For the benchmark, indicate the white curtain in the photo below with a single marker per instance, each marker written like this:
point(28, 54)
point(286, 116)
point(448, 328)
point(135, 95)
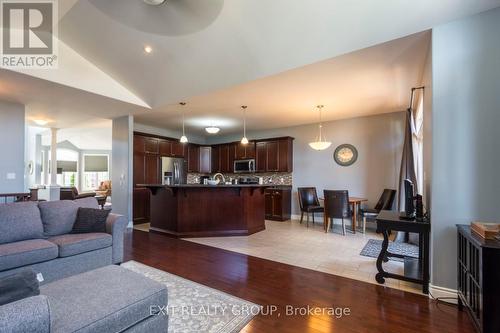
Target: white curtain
point(417, 130)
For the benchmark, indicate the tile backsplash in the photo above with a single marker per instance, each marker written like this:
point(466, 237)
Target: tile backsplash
point(281, 178)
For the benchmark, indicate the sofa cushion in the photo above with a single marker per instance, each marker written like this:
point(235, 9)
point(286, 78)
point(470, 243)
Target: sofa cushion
point(58, 217)
point(73, 244)
point(26, 252)
point(90, 220)
point(20, 221)
point(95, 301)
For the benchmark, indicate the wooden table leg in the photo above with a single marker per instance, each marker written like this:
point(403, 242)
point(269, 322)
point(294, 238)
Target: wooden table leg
point(354, 213)
point(385, 244)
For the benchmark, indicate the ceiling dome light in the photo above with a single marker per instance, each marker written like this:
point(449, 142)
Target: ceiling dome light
point(212, 129)
point(154, 2)
point(41, 122)
point(320, 143)
point(148, 49)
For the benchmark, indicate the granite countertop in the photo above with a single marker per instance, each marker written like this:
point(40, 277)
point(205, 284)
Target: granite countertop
point(202, 185)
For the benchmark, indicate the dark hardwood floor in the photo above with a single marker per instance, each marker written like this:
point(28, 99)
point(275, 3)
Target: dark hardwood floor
point(372, 308)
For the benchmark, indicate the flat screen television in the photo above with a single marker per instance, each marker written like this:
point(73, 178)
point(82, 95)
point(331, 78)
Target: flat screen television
point(409, 212)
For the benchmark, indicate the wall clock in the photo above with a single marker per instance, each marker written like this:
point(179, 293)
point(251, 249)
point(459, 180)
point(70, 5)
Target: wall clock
point(345, 154)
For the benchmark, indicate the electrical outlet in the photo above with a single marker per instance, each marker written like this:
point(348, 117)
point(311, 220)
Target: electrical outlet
point(11, 176)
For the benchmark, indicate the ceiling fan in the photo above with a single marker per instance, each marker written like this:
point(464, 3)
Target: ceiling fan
point(162, 17)
point(154, 2)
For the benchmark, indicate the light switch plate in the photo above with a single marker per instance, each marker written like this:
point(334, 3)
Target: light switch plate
point(11, 175)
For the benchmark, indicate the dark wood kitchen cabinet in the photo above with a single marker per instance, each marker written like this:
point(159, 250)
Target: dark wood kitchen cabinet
point(261, 156)
point(226, 158)
point(148, 150)
point(193, 158)
point(140, 206)
point(278, 204)
point(215, 158)
point(243, 152)
point(223, 156)
point(170, 148)
point(274, 155)
point(151, 145)
point(272, 158)
point(151, 168)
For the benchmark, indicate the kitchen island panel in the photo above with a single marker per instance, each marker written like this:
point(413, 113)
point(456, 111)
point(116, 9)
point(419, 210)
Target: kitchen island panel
point(205, 211)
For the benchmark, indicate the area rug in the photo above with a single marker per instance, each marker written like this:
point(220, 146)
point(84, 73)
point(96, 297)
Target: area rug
point(374, 246)
point(193, 307)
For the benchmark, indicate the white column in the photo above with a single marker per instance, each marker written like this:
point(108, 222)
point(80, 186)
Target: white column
point(122, 164)
point(53, 157)
point(51, 192)
point(45, 162)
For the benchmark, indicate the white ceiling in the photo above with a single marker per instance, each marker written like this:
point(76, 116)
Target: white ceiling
point(61, 105)
point(93, 135)
point(374, 80)
point(233, 44)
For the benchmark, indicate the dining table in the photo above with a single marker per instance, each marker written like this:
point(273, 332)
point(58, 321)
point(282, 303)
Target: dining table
point(355, 203)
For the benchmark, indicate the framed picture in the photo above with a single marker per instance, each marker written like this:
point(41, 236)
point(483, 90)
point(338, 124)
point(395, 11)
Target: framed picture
point(345, 154)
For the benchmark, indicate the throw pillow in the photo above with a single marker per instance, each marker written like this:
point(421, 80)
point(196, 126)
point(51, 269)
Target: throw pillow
point(90, 220)
point(19, 285)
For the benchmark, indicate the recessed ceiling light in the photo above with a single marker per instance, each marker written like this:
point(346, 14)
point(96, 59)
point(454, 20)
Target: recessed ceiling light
point(212, 129)
point(41, 122)
point(148, 49)
point(154, 2)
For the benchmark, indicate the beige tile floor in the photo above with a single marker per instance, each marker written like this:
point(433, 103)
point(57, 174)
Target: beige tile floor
point(292, 243)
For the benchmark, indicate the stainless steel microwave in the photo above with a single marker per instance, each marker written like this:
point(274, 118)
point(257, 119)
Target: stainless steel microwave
point(244, 166)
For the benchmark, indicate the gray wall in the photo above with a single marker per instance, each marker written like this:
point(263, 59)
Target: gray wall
point(122, 160)
point(466, 116)
point(427, 83)
point(378, 140)
point(12, 136)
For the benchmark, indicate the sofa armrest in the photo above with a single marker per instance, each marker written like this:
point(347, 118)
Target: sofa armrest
point(30, 314)
point(116, 226)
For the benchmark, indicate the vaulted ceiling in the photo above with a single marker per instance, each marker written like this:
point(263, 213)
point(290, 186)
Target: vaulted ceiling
point(279, 56)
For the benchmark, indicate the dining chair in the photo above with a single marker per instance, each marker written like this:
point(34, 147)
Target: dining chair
point(385, 202)
point(336, 207)
point(308, 202)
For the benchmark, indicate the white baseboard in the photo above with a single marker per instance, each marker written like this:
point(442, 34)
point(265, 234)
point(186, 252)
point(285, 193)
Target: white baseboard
point(445, 294)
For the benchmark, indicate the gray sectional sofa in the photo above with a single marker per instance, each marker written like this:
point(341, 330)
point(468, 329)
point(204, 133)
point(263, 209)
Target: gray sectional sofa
point(37, 235)
point(109, 299)
point(82, 290)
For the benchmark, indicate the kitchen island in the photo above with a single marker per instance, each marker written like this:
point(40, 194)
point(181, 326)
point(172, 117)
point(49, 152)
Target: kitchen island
point(206, 211)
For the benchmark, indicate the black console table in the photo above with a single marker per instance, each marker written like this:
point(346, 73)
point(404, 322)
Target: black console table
point(415, 270)
point(479, 279)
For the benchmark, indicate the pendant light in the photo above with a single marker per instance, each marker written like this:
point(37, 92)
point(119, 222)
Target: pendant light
point(320, 143)
point(183, 138)
point(244, 140)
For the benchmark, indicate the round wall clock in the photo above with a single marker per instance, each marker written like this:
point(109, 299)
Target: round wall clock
point(345, 154)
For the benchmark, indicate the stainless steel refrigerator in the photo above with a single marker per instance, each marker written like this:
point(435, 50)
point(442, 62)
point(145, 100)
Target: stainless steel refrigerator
point(173, 171)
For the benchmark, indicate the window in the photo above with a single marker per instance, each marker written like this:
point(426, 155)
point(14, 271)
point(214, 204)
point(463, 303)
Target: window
point(96, 170)
point(67, 167)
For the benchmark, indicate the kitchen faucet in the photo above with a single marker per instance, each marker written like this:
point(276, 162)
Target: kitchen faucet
point(221, 176)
